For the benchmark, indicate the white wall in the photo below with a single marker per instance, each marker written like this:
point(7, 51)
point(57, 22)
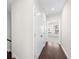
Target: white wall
point(66, 28)
point(9, 2)
point(8, 30)
point(8, 25)
point(22, 29)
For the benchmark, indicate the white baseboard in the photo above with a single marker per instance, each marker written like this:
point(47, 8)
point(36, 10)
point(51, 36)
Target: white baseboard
point(65, 52)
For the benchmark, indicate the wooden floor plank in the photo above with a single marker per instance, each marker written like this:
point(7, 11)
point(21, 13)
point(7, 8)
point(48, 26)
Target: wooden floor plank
point(52, 51)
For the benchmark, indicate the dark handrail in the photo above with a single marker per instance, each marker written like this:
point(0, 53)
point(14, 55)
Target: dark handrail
point(9, 40)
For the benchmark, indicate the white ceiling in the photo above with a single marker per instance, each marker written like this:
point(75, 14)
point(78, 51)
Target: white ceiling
point(47, 6)
point(51, 6)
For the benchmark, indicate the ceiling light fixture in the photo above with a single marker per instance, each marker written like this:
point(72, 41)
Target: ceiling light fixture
point(53, 9)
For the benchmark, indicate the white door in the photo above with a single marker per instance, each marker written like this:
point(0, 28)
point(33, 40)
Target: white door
point(39, 33)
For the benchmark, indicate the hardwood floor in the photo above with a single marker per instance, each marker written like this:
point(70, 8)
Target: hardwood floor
point(52, 51)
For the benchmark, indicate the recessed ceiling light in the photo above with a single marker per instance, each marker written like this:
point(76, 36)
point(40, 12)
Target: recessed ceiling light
point(53, 9)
